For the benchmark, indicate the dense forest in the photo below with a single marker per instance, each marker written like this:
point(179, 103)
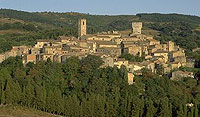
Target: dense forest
point(182, 29)
point(80, 88)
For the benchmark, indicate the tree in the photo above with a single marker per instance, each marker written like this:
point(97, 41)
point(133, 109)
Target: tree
point(196, 110)
point(8, 93)
point(3, 97)
point(164, 110)
point(28, 93)
point(150, 110)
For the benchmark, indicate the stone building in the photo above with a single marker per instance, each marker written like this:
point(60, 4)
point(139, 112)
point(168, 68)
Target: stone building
point(45, 57)
point(190, 62)
point(133, 50)
point(29, 58)
point(82, 27)
point(130, 78)
point(109, 51)
point(161, 53)
point(136, 28)
point(121, 61)
point(178, 75)
point(109, 46)
point(2, 58)
point(149, 65)
point(170, 46)
point(52, 50)
point(108, 61)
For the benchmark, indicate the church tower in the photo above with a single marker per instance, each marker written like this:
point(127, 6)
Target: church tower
point(82, 27)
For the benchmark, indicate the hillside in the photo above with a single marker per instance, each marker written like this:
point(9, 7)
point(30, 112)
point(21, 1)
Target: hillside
point(17, 111)
point(19, 27)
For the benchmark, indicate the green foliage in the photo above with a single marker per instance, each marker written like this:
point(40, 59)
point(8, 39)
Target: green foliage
point(20, 26)
point(87, 90)
point(180, 32)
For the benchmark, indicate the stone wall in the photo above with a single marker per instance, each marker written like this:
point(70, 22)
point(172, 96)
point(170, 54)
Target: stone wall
point(82, 27)
point(137, 28)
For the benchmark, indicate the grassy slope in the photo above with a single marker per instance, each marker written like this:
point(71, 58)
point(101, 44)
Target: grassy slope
point(17, 111)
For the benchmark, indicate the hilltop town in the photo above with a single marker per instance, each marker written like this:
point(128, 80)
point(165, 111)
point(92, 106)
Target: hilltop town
point(84, 65)
point(109, 46)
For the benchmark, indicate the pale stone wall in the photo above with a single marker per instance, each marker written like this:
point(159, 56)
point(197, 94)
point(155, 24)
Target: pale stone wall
point(83, 44)
point(130, 78)
point(109, 51)
point(108, 61)
point(164, 47)
point(57, 58)
point(180, 59)
point(154, 42)
point(107, 46)
point(178, 54)
point(134, 50)
point(127, 39)
point(164, 54)
point(82, 27)
point(2, 57)
point(177, 75)
point(44, 57)
point(119, 63)
point(137, 28)
point(175, 65)
point(99, 38)
point(152, 50)
point(52, 50)
point(29, 58)
point(170, 45)
point(166, 69)
point(151, 66)
point(39, 44)
point(35, 51)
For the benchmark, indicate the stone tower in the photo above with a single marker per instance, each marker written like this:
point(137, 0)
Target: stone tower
point(137, 28)
point(170, 45)
point(82, 27)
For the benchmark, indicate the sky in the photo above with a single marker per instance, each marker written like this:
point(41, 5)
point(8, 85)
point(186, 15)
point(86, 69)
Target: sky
point(106, 7)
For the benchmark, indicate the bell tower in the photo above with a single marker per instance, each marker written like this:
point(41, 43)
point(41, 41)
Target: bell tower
point(82, 27)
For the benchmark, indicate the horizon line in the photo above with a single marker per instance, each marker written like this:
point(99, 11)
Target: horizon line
point(170, 13)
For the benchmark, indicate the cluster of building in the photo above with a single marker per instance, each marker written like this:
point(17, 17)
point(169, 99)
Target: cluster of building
point(109, 46)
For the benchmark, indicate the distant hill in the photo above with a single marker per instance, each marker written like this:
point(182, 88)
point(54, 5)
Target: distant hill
point(156, 17)
point(48, 25)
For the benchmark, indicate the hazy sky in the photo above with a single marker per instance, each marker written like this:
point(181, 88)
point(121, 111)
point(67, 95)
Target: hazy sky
point(191, 7)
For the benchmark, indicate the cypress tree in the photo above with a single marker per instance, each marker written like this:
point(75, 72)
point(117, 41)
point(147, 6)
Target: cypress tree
point(180, 111)
point(164, 108)
point(192, 112)
point(2, 97)
point(196, 110)
point(8, 94)
point(150, 109)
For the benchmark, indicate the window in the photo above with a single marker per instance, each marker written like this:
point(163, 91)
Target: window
point(83, 23)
